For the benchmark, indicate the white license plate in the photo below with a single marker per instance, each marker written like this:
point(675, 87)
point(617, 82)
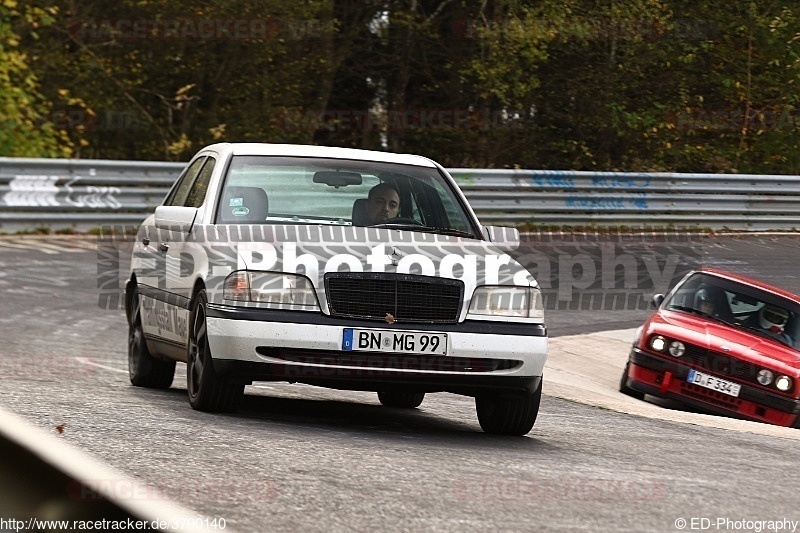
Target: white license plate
point(375, 340)
point(714, 383)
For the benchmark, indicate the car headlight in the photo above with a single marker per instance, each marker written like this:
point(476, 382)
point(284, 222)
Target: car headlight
point(783, 383)
point(511, 301)
point(677, 348)
point(278, 290)
point(765, 376)
point(658, 343)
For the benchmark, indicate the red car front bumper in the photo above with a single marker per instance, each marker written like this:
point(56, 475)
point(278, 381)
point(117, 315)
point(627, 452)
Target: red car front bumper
point(666, 378)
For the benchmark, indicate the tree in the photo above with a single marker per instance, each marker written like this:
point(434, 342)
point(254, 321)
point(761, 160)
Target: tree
point(30, 125)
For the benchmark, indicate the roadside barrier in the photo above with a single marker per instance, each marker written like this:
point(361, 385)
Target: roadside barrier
point(82, 194)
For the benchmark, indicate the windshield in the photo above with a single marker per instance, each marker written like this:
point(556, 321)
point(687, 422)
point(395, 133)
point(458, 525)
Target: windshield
point(302, 190)
point(738, 305)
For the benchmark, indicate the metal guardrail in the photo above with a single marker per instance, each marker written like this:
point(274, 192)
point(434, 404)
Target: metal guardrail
point(81, 194)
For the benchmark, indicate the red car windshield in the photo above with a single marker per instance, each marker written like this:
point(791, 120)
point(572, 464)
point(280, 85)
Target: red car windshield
point(738, 305)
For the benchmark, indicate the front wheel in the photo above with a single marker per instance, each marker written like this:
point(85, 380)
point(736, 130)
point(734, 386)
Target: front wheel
point(623, 385)
point(403, 399)
point(508, 416)
point(144, 370)
point(207, 390)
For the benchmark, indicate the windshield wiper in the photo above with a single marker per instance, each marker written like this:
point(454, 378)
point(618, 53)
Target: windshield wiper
point(455, 232)
point(698, 312)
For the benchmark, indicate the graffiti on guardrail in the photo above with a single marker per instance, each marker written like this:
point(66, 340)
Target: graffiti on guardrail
point(32, 191)
point(633, 202)
point(622, 182)
point(554, 181)
point(91, 196)
point(35, 191)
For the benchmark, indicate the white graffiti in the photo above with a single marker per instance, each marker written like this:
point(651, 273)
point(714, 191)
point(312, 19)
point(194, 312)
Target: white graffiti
point(32, 191)
point(92, 196)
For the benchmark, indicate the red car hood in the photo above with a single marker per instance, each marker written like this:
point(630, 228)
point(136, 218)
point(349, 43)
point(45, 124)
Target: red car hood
point(713, 335)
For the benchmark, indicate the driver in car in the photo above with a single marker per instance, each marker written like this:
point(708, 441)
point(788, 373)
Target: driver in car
point(383, 203)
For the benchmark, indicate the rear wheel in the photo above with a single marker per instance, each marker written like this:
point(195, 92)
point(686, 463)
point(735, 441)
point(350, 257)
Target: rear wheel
point(144, 370)
point(623, 385)
point(207, 390)
point(405, 399)
point(508, 416)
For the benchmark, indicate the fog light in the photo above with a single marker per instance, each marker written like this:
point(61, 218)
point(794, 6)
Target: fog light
point(658, 343)
point(784, 383)
point(765, 377)
point(677, 348)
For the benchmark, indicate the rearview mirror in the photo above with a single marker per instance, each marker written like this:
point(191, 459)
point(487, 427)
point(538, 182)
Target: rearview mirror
point(334, 178)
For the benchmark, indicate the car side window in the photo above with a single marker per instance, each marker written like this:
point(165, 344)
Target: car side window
point(197, 194)
point(178, 194)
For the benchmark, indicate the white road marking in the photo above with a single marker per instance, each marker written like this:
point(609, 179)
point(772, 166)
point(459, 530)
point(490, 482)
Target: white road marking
point(87, 361)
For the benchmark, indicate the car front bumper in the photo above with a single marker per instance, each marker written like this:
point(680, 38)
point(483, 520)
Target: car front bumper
point(266, 345)
point(666, 378)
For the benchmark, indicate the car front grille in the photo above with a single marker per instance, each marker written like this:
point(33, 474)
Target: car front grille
point(392, 362)
point(406, 297)
point(721, 363)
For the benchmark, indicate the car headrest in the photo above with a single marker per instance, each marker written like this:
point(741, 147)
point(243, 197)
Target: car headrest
point(360, 215)
point(244, 205)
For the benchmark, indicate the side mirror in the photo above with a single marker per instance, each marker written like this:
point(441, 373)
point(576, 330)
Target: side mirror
point(658, 299)
point(506, 239)
point(175, 217)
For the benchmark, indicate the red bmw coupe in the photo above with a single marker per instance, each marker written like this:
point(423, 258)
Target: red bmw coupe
point(723, 343)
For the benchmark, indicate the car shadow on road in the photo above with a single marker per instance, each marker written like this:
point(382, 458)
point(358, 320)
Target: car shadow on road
point(441, 417)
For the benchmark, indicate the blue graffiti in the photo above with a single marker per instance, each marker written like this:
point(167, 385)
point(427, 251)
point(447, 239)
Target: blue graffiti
point(556, 182)
point(607, 203)
point(622, 183)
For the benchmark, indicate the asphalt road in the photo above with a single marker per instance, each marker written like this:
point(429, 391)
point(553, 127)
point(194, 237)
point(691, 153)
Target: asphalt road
point(298, 458)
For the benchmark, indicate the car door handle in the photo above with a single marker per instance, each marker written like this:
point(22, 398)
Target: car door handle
point(163, 247)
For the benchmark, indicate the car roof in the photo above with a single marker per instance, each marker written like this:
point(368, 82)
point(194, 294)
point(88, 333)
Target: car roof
point(304, 150)
point(750, 281)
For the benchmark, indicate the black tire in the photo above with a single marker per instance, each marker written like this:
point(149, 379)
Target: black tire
point(404, 399)
point(508, 416)
point(623, 386)
point(144, 370)
point(207, 390)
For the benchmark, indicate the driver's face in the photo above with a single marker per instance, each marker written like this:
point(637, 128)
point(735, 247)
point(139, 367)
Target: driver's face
point(383, 205)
